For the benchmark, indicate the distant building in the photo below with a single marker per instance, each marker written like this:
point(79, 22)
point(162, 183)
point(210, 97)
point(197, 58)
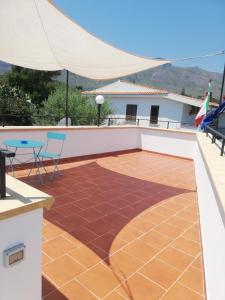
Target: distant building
point(148, 105)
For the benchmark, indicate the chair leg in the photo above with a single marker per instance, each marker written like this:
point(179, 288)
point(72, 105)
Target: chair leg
point(11, 166)
point(42, 165)
point(55, 168)
point(38, 172)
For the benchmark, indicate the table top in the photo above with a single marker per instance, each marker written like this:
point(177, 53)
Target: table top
point(23, 143)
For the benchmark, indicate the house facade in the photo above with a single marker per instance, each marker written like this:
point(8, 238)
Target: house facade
point(148, 106)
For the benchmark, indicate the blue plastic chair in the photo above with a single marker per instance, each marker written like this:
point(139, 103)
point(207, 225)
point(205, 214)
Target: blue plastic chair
point(54, 156)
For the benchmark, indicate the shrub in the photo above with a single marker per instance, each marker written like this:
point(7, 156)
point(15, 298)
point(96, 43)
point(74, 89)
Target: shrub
point(15, 106)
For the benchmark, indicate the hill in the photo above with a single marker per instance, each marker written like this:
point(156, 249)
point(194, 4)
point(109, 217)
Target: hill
point(194, 80)
point(4, 67)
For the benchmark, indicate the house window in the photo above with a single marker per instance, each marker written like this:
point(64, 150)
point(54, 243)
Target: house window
point(154, 115)
point(131, 113)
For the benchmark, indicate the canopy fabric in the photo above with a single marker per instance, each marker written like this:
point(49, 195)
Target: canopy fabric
point(35, 34)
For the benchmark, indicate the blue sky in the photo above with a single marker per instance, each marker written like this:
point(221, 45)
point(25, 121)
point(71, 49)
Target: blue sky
point(162, 28)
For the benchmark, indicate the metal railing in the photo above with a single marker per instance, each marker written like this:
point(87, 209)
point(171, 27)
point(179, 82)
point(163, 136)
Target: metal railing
point(54, 120)
point(147, 123)
point(217, 134)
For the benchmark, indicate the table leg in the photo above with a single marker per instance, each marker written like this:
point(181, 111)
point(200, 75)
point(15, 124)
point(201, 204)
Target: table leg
point(36, 163)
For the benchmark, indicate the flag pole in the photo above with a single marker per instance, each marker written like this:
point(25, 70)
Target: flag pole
point(67, 92)
point(221, 95)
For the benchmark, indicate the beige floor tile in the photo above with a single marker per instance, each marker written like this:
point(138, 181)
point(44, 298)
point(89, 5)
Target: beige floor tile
point(141, 250)
point(85, 256)
point(161, 273)
point(114, 296)
point(51, 231)
point(125, 264)
point(175, 258)
point(100, 280)
point(193, 278)
point(62, 270)
point(187, 246)
point(179, 292)
point(45, 259)
point(169, 230)
point(74, 291)
point(57, 247)
point(156, 239)
point(138, 287)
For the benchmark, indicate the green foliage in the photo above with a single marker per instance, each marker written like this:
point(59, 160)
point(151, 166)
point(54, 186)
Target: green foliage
point(193, 110)
point(3, 79)
point(15, 106)
point(81, 109)
point(37, 84)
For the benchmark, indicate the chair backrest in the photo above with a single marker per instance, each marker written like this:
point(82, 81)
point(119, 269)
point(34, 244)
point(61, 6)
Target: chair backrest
point(56, 136)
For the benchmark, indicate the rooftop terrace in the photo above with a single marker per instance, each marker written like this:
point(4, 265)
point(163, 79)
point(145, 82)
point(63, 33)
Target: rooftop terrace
point(139, 213)
point(123, 226)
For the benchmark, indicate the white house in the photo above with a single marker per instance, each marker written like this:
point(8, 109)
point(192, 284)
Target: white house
point(148, 106)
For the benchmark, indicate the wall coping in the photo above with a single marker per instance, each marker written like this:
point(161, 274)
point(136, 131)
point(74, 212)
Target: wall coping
point(22, 198)
point(215, 166)
point(64, 128)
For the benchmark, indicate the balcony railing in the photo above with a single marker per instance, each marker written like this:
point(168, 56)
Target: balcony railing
point(216, 135)
point(54, 120)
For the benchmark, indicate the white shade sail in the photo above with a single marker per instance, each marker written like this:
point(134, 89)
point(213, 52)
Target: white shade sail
point(35, 34)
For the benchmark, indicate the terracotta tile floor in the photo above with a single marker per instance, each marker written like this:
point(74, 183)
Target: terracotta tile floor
point(123, 226)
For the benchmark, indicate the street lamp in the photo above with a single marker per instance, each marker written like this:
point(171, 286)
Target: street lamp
point(99, 101)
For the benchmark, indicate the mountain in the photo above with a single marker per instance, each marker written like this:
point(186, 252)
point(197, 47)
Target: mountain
point(193, 80)
point(4, 67)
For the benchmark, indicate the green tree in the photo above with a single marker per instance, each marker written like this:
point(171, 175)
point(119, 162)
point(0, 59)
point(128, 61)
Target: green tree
point(82, 109)
point(37, 84)
point(3, 78)
point(15, 106)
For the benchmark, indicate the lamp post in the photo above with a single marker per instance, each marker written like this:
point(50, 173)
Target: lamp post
point(67, 92)
point(99, 101)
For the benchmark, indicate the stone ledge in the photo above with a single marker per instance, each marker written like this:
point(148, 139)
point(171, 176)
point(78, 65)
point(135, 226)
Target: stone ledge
point(215, 165)
point(22, 198)
point(71, 128)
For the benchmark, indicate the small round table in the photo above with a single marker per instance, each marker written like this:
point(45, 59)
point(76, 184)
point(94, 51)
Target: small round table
point(36, 147)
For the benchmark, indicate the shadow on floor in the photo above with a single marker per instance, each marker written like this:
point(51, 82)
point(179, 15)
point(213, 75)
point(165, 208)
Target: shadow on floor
point(93, 203)
point(50, 290)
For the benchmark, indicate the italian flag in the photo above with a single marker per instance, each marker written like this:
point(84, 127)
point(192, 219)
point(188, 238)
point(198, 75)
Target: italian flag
point(204, 108)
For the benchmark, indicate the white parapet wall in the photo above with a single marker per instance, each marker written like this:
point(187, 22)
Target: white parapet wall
point(172, 142)
point(210, 179)
point(79, 141)
point(213, 233)
point(22, 281)
point(82, 141)
point(21, 219)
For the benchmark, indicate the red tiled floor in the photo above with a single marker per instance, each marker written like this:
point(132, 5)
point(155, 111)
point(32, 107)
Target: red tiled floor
point(123, 227)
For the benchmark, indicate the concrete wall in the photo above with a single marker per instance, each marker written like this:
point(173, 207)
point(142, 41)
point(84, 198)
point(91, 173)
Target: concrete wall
point(212, 230)
point(22, 281)
point(90, 140)
point(168, 142)
point(79, 141)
